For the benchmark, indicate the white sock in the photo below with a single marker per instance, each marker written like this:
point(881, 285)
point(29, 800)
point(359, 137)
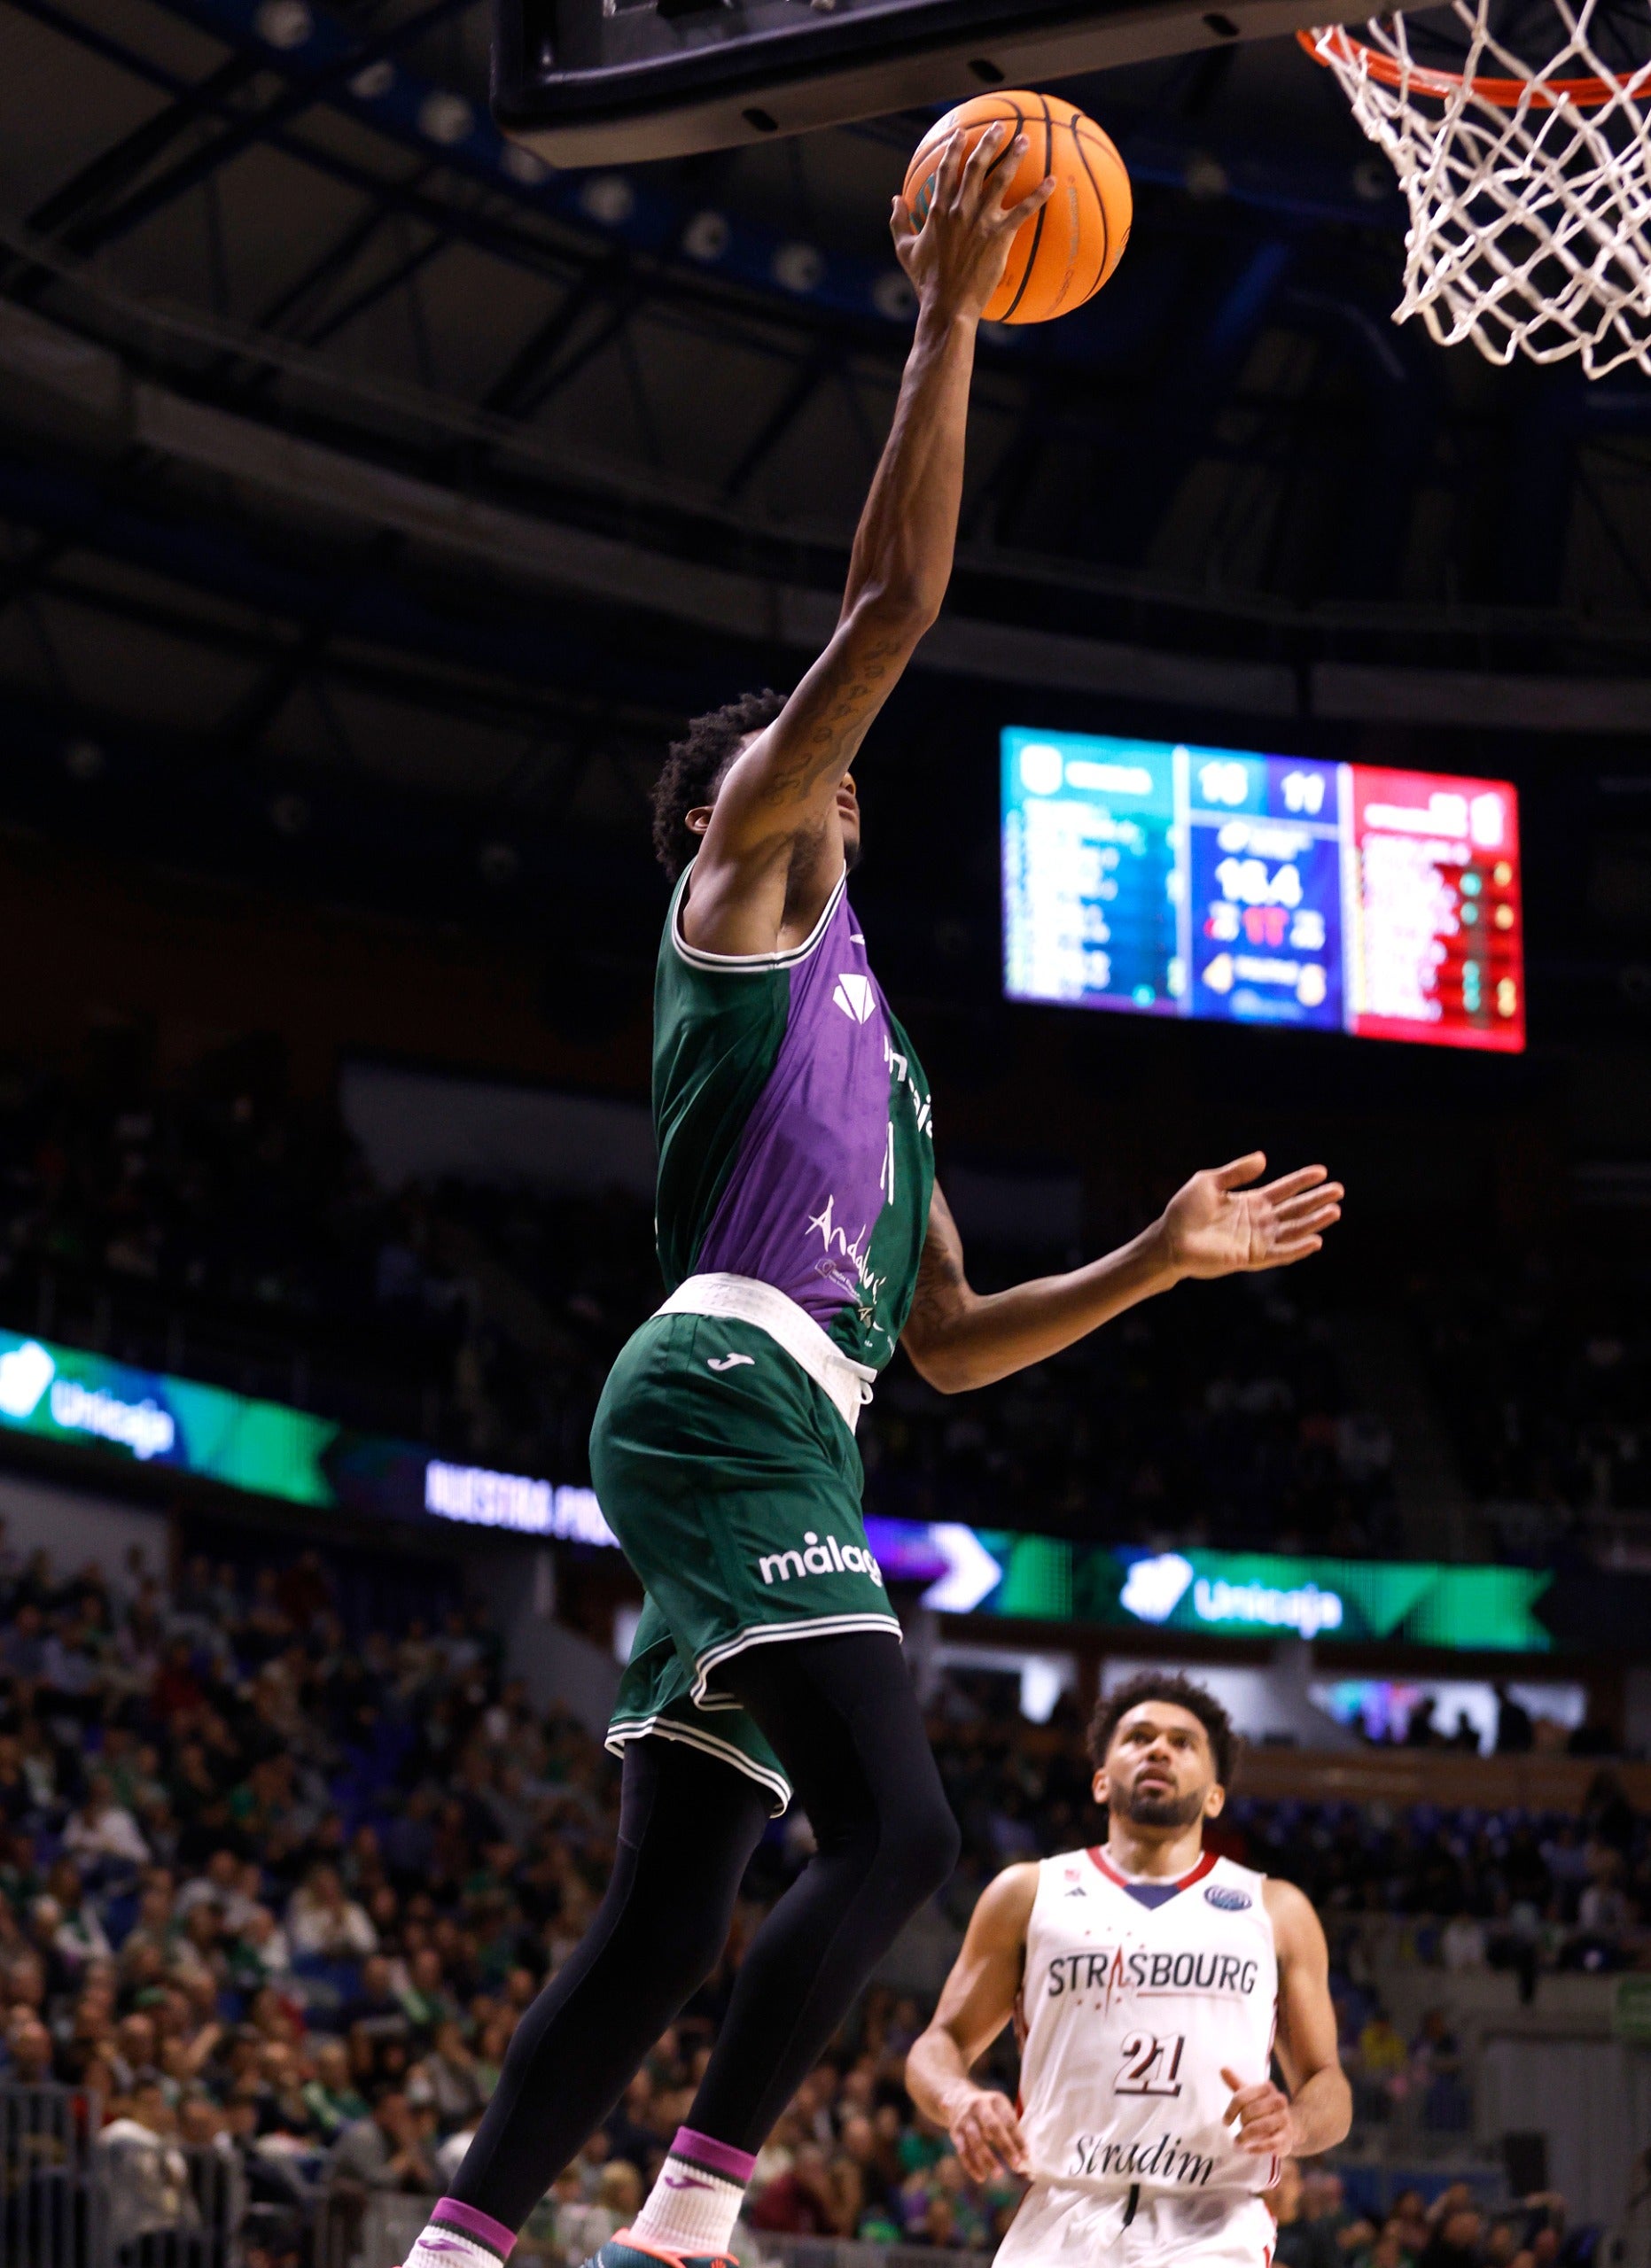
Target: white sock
point(457, 2236)
point(694, 2204)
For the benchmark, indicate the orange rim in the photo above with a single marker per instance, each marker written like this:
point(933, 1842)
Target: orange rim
point(1338, 45)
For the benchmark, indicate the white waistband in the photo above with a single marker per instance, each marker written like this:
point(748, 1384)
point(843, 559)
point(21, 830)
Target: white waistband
point(847, 1383)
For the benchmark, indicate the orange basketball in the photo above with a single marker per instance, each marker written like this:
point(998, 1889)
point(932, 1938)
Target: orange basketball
point(1065, 253)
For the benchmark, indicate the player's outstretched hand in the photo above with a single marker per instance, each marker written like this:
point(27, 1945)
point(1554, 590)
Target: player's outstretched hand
point(986, 2133)
point(956, 258)
point(1262, 2112)
point(1217, 1226)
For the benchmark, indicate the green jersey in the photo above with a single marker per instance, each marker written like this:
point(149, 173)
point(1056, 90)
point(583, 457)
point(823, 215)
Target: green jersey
point(794, 1127)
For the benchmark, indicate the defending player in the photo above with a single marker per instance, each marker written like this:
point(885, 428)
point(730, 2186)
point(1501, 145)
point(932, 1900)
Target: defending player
point(1153, 1983)
point(801, 1235)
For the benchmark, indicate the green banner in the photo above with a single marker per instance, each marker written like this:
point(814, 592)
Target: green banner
point(62, 1394)
point(1225, 1594)
point(66, 1395)
point(1252, 1595)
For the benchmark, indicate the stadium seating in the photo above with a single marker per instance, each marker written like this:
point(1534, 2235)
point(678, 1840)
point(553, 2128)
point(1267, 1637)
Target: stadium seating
point(275, 1893)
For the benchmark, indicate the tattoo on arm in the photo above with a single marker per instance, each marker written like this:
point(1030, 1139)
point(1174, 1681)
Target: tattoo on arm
point(942, 1285)
point(840, 708)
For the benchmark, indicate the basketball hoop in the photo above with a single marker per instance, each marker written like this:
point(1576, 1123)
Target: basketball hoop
point(1529, 184)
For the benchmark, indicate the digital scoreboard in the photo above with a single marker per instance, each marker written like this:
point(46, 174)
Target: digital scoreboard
point(1170, 881)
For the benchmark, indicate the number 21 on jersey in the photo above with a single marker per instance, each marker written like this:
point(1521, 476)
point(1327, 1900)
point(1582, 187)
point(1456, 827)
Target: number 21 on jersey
point(1151, 2064)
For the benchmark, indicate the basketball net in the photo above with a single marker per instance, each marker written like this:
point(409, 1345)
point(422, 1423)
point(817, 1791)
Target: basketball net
point(1529, 185)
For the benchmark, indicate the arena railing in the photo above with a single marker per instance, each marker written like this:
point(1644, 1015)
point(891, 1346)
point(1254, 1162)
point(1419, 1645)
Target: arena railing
point(75, 2193)
point(52, 2206)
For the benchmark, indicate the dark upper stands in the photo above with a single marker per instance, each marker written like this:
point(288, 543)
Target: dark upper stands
point(212, 1226)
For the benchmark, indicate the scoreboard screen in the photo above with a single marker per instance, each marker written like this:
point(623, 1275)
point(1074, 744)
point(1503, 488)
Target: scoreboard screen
point(1170, 881)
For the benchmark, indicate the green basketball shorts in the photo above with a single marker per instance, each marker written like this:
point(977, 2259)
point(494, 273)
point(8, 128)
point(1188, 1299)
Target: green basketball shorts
point(732, 1484)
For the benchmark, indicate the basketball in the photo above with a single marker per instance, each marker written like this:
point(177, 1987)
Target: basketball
point(1066, 251)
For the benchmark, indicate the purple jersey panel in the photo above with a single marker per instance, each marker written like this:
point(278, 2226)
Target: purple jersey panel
point(816, 1161)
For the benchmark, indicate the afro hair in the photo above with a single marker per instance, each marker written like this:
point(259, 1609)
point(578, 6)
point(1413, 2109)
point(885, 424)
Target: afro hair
point(695, 765)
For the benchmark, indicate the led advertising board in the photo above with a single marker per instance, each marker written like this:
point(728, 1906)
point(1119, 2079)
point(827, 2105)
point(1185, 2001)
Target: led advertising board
point(1224, 885)
point(66, 1395)
point(1220, 1594)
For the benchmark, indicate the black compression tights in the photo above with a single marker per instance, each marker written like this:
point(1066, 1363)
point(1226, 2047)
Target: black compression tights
point(842, 1716)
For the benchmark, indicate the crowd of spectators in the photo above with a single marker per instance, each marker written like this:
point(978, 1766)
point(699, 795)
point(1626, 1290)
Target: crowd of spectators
point(1578, 1889)
point(277, 1893)
point(211, 1224)
point(1319, 2226)
point(1543, 1370)
point(1217, 1417)
point(1457, 1890)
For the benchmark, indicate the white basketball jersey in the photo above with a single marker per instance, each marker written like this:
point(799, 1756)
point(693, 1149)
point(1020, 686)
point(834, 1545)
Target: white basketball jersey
point(1135, 1997)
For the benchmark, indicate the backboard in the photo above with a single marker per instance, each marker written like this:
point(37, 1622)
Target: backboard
point(586, 82)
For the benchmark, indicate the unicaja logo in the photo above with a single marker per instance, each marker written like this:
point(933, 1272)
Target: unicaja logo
point(816, 1558)
point(144, 1427)
point(1153, 1587)
point(1307, 1609)
point(25, 1374)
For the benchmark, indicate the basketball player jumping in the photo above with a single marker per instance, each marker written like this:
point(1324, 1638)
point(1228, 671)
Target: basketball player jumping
point(801, 1235)
point(1153, 1984)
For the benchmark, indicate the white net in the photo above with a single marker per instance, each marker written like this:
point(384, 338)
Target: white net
point(1528, 182)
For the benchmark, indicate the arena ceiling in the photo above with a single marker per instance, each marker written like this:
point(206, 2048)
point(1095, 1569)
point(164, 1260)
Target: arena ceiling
point(350, 459)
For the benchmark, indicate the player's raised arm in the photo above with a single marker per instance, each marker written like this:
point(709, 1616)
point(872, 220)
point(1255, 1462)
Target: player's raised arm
point(782, 787)
point(1215, 1225)
point(978, 2002)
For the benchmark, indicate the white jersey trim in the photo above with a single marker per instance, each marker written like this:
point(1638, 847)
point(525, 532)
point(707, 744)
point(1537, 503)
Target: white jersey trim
point(846, 1383)
point(777, 1634)
point(624, 1729)
point(748, 964)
